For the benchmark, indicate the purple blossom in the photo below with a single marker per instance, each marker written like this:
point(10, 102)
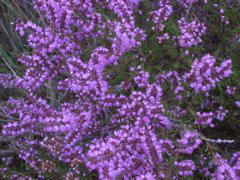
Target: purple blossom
point(128, 152)
point(189, 141)
point(204, 118)
point(203, 75)
point(237, 103)
point(224, 170)
point(190, 33)
point(185, 167)
point(160, 15)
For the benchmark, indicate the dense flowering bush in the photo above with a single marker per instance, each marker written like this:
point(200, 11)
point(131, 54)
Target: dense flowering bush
point(80, 112)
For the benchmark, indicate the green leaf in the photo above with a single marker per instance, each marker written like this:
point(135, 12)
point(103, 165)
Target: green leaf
point(4, 54)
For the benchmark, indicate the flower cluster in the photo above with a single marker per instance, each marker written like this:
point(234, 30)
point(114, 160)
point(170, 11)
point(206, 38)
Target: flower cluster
point(189, 141)
point(186, 167)
point(220, 113)
point(163, 38)
point(235, 163)
point(204, 118)
point(190, 33)
point(127, 37)
point(204, 76)
point(224, 170)
point(175, 82)
point(141, 79)
point(231, 90)
point(160, 15)
point(128, 152)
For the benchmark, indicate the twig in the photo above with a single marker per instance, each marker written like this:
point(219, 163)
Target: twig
point(6, 152)
point(14, 73)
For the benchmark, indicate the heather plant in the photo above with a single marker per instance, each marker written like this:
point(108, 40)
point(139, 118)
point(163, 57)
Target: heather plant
point(122, 89)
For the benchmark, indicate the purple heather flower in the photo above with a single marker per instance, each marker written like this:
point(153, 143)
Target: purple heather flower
point(189, 142)
point(185, 167)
